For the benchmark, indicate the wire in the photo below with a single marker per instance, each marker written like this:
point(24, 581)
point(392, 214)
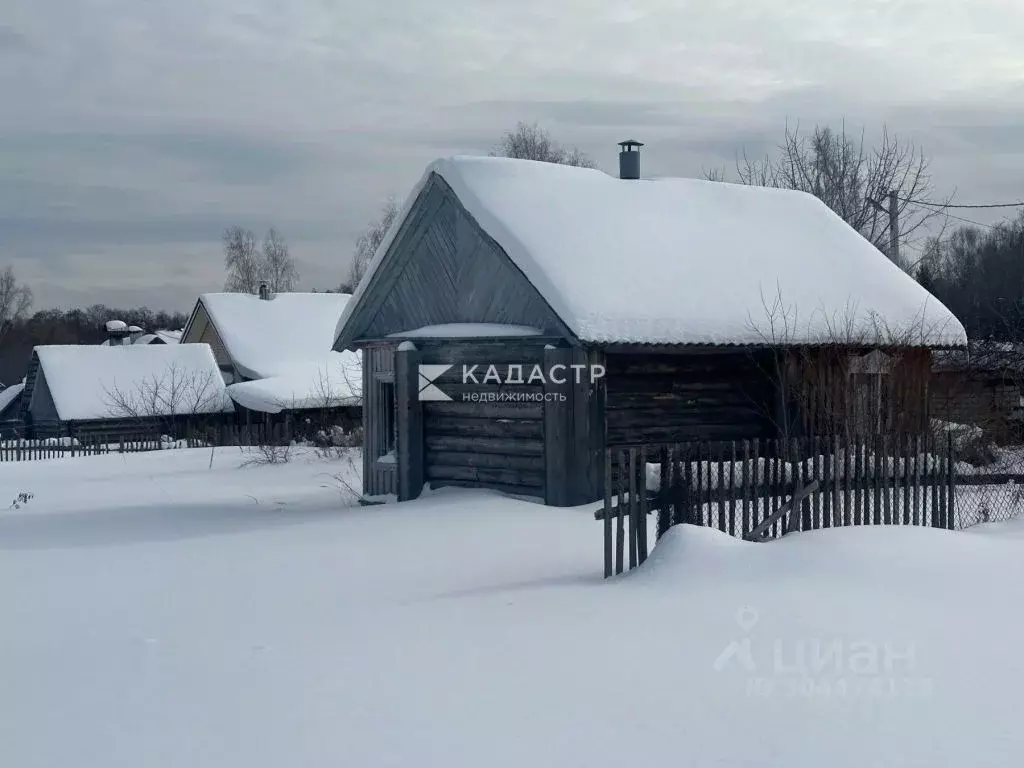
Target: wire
point(944, 205)
point(971, 221)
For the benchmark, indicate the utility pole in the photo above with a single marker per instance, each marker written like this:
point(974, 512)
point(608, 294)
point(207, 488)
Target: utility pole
point(893, 211)
point(894, 227)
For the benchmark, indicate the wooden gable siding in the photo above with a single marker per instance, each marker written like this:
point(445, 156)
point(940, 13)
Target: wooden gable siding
point(443, 268)
point(41, 406)
point(659, 398)
point(31, 376)
point(201, 330)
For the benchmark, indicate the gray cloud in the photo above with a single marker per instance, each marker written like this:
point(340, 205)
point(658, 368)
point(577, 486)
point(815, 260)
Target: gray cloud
point(13, 41)
point(129, 141)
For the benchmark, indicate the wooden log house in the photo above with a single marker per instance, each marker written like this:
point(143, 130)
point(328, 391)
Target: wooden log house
point(693, 310)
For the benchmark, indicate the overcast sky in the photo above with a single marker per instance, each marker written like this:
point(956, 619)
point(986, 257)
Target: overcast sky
point(133, 132)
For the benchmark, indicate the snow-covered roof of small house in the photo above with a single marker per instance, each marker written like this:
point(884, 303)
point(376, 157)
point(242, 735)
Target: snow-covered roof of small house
point(686, 261)
point(333, 381)
point(267, 337)
point(89, 382)
point(169, 337)
point(9, 394)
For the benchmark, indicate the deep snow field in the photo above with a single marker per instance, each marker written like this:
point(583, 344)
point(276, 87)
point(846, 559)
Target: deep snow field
point(157, 612)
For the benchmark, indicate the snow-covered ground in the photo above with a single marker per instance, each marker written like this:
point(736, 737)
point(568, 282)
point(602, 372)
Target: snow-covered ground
point(161, 613)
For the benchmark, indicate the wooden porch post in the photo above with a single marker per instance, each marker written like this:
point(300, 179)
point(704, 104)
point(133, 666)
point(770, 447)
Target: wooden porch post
point(409, 422)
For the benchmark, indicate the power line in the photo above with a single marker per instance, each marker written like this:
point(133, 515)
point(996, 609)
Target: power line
point(961, 218)
point(944, 205)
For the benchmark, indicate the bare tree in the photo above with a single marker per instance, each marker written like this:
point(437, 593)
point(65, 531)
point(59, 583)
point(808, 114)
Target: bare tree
point(846, 174)
point(280, 272)
point(242, 259)
point(531, 142)
point(161, 397)
point(368, 243)
point(249, 265)
point(15, 300)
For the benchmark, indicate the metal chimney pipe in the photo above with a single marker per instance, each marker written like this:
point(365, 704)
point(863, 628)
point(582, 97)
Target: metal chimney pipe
point(629, 159)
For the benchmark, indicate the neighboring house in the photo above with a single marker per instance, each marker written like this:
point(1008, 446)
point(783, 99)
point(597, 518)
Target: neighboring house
point(693, 310)
point(93, 390)
point(119, 334)
point(158, 337)
point(982, 385)
point(10, 410)
point(275, 352)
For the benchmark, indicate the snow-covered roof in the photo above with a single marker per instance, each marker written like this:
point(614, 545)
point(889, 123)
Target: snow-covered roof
point(687, 261)
point(9, 394)
point(114, 326)
point(334, 380)
point(266, 337)
point(170, 337)
point(96, 382)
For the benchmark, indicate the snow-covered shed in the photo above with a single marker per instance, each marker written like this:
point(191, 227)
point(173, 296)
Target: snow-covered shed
point(683, 309)
point(93, 389)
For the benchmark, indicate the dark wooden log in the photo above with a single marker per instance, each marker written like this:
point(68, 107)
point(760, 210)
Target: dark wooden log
point(479, 427)
point(511, 447)
point(489, 460)
point(515, 411)
point(511, 477)
point(536, 492)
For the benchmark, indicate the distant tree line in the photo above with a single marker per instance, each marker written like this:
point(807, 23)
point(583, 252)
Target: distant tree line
point(978, 273)
point(73, 326)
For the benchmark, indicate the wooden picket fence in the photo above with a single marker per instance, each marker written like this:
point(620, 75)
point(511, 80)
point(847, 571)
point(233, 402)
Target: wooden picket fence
point(137, 442)
point(762, 489)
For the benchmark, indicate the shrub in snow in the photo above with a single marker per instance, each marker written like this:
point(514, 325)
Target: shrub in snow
point(970, 443)
point(336, 439)
point(21, 499)
point(268, 454)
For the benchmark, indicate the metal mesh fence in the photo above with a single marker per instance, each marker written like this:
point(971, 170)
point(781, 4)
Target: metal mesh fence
point(991, 491)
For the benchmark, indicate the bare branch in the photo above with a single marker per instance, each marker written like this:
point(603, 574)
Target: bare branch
point(368, 243)
point(15, 300)
point(278, 267)
point(531, 142)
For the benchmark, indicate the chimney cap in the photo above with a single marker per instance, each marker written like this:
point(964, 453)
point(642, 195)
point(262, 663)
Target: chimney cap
point(630, 143)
